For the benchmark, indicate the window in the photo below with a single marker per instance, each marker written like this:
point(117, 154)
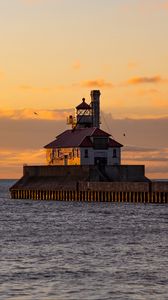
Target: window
point(114, 153)
point(86, 153)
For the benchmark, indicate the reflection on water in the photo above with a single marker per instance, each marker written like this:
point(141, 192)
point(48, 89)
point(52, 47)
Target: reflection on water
point(60, 250)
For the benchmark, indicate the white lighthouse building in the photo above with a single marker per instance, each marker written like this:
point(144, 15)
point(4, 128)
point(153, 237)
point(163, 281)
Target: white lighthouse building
point(85, 143)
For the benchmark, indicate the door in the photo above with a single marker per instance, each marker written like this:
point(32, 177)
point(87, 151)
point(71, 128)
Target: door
point(100, 161)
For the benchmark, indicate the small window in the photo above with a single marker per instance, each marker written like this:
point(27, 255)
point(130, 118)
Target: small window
point(86, 153)
point(114, 153)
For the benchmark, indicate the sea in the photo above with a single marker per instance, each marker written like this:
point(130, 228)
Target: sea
point(53, 250)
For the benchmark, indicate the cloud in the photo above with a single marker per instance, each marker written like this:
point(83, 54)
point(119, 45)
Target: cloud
point(154, 159)
point(29, 134)
point(146, 154)
point(139, 149)
point(144, 80)
point(147, 133)
point(35, 114)
point(12, 161)
point(100, 83)
point(20, 157)
point(24, 134)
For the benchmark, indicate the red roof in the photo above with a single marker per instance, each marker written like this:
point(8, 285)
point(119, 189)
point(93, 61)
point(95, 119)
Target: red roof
point(80, 138)
point(113, 143)
point(87, 143)
point(83, 105)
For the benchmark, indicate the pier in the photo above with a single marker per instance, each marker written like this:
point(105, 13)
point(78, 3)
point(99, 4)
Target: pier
point(71, 184)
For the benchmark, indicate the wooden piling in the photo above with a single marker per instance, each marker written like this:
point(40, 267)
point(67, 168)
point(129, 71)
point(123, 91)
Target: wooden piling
point(154, 197)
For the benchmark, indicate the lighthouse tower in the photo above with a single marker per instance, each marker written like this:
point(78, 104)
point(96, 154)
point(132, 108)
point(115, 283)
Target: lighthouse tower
point(83, 115)
point(87, 115)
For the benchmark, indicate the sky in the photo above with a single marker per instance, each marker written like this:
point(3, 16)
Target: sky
point(54, 52)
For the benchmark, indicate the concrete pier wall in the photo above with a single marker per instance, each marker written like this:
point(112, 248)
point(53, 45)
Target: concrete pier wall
point(126, 172)
point(90, 173)
point(55, 170)
point(115, 186)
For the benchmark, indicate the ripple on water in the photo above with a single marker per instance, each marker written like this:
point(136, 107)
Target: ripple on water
point(60, 250)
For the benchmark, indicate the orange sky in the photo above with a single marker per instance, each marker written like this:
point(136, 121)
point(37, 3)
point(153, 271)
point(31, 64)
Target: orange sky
point(53, 52)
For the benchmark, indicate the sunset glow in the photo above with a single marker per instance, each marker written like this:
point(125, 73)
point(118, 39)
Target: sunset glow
point(53, 52)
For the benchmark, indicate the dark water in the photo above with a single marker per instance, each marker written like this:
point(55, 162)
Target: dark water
point(62, 251)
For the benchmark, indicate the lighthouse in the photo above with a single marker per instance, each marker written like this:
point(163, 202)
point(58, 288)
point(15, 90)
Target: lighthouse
point(85, 143)
point(84, 164)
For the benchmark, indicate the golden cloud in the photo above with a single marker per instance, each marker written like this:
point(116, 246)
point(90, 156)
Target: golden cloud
point(20, 157)
point(12, 161)
point(100, 83)
point(144, 80)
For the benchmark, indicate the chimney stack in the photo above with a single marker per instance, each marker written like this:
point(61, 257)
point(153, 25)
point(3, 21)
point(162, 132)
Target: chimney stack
point(95, 103)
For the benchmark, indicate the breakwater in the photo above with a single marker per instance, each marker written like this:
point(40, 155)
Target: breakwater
point(89, 183)
point(79, 183)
